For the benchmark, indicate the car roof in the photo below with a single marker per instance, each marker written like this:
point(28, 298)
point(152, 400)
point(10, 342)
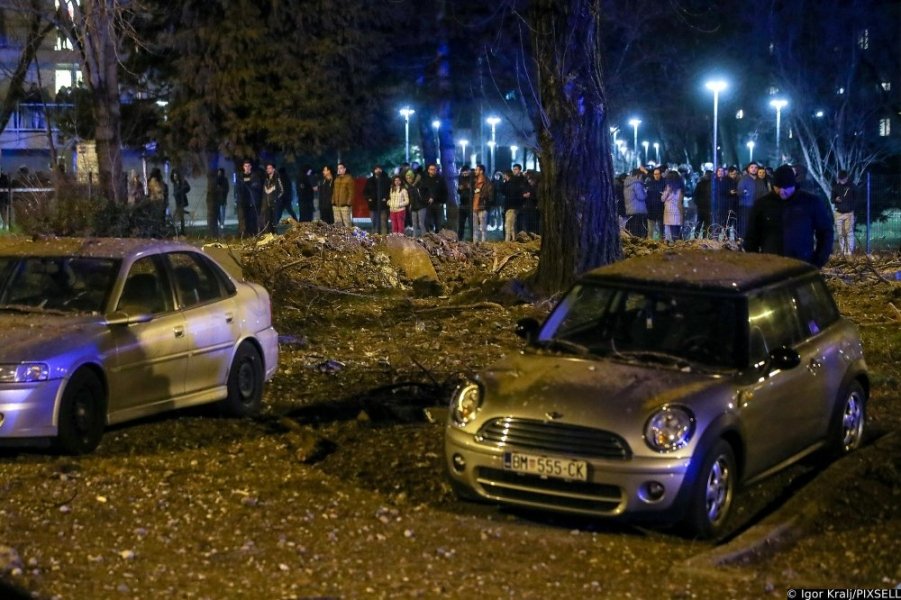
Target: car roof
point(94, 247)
point(708, 270)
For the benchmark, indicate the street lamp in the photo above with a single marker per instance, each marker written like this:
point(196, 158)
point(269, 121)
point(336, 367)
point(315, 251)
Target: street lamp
point(750, 145)
point(635, 123)
point(436, 125)
point(645, 144)
point(463, 144)
point(493, 121)
point(657, 153)
point(406, 112)
point(778, 104)
point(716, 87)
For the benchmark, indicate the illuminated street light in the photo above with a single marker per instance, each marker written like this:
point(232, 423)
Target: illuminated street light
point(463, 144)
point(436, 125)
point(635, 123)
point(645, 144)
point(750, 145)
point(657, 152)
point(406, 112)
point(716, 87)
point(778, 104)
point(491, 145)
point(493, 121)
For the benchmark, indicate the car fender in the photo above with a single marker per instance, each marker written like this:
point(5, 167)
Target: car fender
point(726, 426)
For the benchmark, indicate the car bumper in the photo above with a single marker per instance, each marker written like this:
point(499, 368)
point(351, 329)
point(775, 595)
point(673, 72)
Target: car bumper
point(268, 339)
point(29, 410)
point(613, 488)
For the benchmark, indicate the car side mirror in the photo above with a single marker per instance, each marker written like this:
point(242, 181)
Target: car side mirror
point(527, 328)
point(784, 358)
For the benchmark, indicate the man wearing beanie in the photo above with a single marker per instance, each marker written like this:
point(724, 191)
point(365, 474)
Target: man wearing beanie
point(790, 222)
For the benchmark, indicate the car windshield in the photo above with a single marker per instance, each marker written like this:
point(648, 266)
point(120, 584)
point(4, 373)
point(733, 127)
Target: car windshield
point(56, 283)
point(657, 326)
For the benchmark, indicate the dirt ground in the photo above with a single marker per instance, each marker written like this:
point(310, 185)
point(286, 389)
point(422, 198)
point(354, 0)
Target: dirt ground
point(337, 490)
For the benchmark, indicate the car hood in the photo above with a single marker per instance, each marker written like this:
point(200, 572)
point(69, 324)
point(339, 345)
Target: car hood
point(33, 336)
point(591, 392)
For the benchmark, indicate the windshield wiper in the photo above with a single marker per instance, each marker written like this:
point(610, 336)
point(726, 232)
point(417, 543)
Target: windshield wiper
point(562, 346)
point(656, 356)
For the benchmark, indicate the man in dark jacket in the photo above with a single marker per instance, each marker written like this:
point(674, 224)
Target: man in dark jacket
point(249, 195)
point(654, 203)
point(376, 193)
point(434, 194)
point(844, 199)
point(790, 222)
point(464, 191)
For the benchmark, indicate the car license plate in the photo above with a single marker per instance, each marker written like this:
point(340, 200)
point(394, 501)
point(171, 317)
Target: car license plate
point(546, 466)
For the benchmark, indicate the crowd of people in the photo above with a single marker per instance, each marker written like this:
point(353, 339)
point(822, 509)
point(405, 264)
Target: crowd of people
point(742, 205)
point(767, 210)
point(412, 199)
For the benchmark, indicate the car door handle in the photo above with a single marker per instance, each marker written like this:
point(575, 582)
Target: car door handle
point(179, 331)
point(229, 317)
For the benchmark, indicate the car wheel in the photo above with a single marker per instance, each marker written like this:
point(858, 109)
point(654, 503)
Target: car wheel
point(245, 383)
point(82, 414)
point(710, 503)
point(848, 423)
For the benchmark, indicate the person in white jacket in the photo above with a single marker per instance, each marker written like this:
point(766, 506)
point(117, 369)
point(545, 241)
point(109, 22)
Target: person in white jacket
point(398, 201)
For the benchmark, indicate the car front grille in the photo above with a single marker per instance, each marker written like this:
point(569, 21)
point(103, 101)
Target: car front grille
point(556, 438)
point(534, 490)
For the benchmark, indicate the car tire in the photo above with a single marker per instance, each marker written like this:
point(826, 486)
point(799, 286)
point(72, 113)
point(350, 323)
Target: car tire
point(82, 414)
point(245, 383)
point(710, 501)
point(848, 421)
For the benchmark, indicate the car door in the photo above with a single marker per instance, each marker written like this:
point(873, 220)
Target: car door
point(212, 323)
point(151, 357)
point(821, 351)
point(778, 405)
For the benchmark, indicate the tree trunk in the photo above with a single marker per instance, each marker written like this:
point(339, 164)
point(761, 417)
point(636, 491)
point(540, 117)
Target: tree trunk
point(580, 229)
point(92, 28)
point(38, 29)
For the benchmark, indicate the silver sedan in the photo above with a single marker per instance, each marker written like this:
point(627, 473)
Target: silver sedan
point(100, 331)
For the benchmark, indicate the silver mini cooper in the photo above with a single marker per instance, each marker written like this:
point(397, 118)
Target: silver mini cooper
point(659, 384)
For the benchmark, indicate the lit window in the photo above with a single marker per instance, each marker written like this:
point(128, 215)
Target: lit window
point(863, 40)
point(740, 114)
point(885, 127)
point(887, 86)
point(62, 78)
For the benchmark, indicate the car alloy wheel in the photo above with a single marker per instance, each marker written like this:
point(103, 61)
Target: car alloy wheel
point(719, 490)
point(245, 383)
point(852, 419)
point(82, 414)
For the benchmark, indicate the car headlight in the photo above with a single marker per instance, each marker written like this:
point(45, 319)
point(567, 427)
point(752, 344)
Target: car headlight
point(24, 373)
point(670, 428)
point(465, 403)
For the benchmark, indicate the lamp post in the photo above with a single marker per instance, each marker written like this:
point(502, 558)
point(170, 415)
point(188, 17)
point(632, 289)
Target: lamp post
point(463, 144)
point(657, 153)
point(716, 87)
point(436, 125)
point(645, 144)
point(493, 121)
point(750, 145)
point(406, 112)
point(635, 123)
point(778, 104)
